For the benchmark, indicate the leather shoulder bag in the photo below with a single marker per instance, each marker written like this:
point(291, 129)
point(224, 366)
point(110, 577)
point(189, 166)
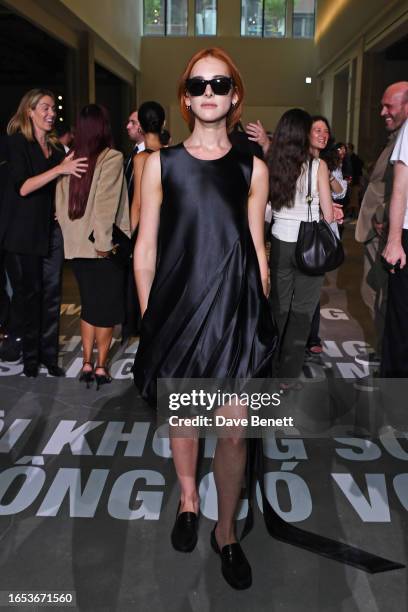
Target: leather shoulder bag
point(318, 250)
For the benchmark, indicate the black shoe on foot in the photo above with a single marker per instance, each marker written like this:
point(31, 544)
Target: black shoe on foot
point(30, 370)
point(87, 376)
point(55, 370)
point(184, 533)
point(234, 564)
point(102, 379)
point(11, 349)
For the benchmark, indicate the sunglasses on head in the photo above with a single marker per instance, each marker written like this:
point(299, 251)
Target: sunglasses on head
point(221, 86)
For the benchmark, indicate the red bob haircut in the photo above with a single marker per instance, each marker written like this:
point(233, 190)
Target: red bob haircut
point(234, 115)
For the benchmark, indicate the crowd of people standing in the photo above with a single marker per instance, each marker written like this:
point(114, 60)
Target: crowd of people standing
point(33, 238)
point(195, 213)
point(44, 167)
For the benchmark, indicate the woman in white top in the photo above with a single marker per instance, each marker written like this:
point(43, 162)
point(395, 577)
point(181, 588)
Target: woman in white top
point(322, 145)
point(294, 295)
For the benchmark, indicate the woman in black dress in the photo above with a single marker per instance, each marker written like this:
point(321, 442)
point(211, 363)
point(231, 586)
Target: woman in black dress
point(28, 225)
point(201, 275)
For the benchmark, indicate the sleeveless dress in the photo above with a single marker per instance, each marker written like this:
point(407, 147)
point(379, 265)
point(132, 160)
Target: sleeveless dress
point(207, 315)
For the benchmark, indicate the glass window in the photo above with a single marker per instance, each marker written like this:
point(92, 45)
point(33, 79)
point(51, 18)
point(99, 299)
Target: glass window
point(263, 18)
point(251, 17)
point(206, 17)
point(303, 18)
point(274, 18)
point(165, 17)
point(153, 17)
point(176, 17)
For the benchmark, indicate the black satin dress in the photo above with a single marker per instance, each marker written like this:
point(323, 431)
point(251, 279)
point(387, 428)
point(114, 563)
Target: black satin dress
point(207, 315)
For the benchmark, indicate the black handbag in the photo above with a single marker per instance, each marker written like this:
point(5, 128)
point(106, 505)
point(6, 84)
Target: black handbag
point(121, 251)
point(318, 250)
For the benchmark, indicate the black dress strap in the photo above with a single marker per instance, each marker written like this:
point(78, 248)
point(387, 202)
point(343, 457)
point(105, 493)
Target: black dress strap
point(285, 532)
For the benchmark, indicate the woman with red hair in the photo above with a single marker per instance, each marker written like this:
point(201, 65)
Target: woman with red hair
point(201, 275)
point(87, 209)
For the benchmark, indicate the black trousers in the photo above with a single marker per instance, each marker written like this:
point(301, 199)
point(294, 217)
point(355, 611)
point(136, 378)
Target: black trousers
point(41, 283)
point(314, 338)
point(4, 296)
point(394, 363)
point(131, 324)
point(11, 307)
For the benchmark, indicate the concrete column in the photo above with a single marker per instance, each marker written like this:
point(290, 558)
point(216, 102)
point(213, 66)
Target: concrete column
point(191, 17)
point(71, 86)
point(289, 17)
point(358, 86)
point(86, 69)
point(229, 18)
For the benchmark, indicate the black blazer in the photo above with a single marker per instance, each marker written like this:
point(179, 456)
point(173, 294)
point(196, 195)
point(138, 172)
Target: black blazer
point(25, 222)
point(3, 167)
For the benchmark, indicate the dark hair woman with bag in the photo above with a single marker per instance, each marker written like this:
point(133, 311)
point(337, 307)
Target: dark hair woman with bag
point(294, 294)
point(28, 225)
point(88, 209)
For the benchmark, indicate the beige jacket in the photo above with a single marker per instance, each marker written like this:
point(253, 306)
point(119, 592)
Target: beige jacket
point(377, 196)
point(107, 204)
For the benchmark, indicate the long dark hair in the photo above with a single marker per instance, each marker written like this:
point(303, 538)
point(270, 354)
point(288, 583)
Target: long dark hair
point(151, 117)
point(92, 135)
point(329, 153)
point(289, 151)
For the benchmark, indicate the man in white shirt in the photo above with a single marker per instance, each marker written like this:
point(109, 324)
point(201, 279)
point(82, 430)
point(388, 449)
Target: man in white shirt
point(394, 362)
point(371, 228)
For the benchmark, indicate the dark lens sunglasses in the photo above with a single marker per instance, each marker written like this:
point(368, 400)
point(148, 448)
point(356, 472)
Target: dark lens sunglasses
point(221, 86)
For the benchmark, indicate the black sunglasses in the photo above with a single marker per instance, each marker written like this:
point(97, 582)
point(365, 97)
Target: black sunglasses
point(221, 86)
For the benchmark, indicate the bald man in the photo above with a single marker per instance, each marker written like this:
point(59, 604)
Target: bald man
point(394, 362)
point(371, 228)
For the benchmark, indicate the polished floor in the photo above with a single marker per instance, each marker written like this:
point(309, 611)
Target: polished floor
point(88, 494)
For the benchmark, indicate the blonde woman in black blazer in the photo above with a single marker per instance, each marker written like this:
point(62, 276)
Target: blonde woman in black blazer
point(28, 224)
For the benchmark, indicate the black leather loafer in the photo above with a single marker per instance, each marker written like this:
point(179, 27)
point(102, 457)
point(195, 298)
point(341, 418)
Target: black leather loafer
point(234, 564)
point(184, 533)
point(30, 370)
point(55, 370)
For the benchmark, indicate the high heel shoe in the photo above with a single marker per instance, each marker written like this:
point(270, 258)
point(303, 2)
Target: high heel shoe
point(87, 376)
point(234, 564)
point(102, 379)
